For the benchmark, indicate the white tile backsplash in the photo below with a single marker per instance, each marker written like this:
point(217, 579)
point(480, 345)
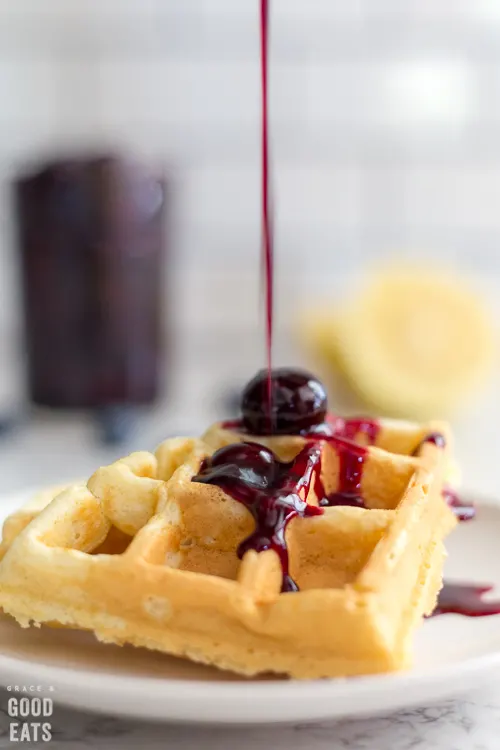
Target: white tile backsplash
point(187, 92)
point(28, 92)
point(385, 133)
point(430, 92)
point(384, 122)
point(465, 197)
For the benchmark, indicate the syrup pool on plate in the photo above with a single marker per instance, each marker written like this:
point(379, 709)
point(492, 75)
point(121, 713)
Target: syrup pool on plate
point(465, 599)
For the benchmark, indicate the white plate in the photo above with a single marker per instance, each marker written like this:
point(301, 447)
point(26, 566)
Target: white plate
point(452, 654)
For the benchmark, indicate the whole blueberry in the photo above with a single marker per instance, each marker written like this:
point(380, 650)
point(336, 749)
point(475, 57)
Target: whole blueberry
point(248, 464)
point(298, 402)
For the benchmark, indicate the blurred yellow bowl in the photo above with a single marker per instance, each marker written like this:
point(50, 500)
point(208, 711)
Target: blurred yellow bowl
point(412, 343)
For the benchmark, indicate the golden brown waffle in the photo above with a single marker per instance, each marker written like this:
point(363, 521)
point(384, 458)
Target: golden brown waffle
point(146, 556)
point(16, 522)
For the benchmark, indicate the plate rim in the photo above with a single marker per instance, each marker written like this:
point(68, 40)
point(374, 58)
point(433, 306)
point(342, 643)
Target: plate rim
point(84, 689)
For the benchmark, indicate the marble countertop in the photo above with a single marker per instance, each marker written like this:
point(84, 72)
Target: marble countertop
point(469, 723)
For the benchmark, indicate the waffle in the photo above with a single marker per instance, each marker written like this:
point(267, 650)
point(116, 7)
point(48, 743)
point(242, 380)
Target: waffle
point(16, 522)
point(144, 555)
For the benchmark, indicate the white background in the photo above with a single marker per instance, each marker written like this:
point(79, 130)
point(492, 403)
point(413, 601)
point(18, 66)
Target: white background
point(386, 141)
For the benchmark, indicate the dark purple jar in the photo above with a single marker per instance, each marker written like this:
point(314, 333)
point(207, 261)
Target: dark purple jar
point(91, 240)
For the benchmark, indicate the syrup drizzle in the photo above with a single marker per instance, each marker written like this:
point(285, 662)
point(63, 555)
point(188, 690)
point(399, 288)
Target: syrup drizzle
point(433, 437)
point(351, 428)
point(267, 217)
point(460, 598)
point(273, 510)
point(465, 599)
point(462, 510)
point(332, 427)
point(351, 458)
point(274, 492)
point(341, 433)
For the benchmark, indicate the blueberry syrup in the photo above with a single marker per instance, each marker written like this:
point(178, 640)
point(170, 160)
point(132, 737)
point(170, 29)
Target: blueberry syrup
point(462, 510)
point(267, 217)
point(353, 427)
point(271, 489)
point(460, 598)
point(234, 424)
point(274, 492)
point(332, 427)
point(465, 599)
point(435, 438)
point(351, 458)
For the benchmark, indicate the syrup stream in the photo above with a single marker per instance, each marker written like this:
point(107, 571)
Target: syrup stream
point(267, 219)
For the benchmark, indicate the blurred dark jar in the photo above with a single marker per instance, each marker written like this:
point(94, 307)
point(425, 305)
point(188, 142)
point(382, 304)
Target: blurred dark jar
point(91, 239)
